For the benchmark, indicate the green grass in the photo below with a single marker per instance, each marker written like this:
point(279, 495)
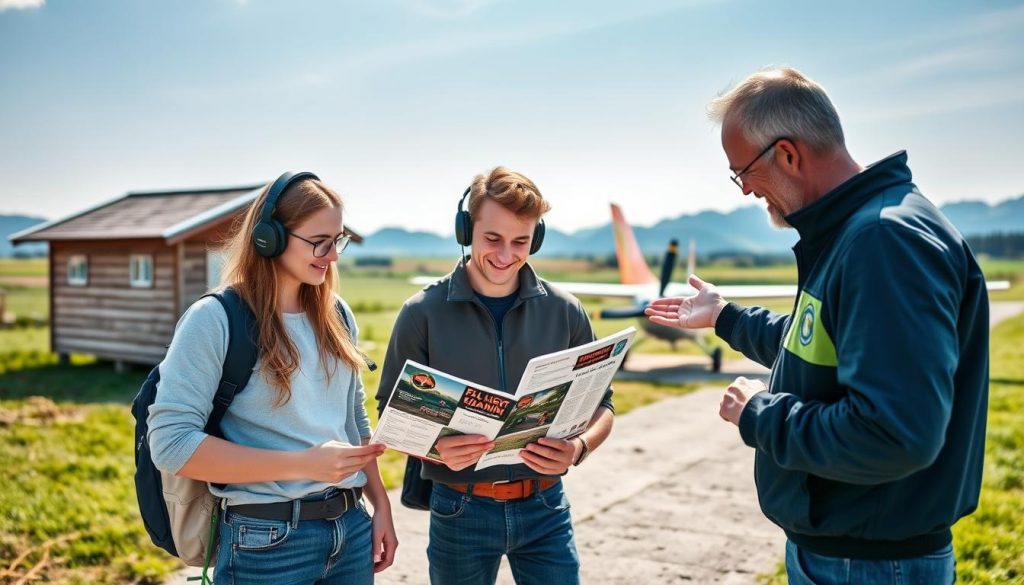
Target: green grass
point(24, 339)
point(27, 302)
point(367, 294)
point(68, 478)
point(631, 394)
point(988, 545)
point(1002, 269)
point(24, 267)
point(1011, 270)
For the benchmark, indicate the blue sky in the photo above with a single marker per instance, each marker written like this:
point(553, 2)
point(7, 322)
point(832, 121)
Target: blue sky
point(398, 103)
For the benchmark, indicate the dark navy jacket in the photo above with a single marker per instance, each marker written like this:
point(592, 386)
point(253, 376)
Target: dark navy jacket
point(870, 438)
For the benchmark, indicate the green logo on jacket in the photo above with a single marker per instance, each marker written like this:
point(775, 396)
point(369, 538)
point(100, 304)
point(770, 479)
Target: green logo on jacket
point(807, 338)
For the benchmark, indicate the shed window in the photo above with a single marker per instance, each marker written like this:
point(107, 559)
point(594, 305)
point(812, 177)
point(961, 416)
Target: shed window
point(141, 270)
point(78, 270)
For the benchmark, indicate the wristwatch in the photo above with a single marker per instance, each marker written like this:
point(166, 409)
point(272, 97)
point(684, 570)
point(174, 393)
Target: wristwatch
point(584, 452)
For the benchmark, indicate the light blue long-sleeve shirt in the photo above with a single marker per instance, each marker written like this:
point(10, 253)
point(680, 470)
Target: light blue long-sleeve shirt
point(321, 408)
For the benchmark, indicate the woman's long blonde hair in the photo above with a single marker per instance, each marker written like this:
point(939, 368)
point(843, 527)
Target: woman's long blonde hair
point(255, 279)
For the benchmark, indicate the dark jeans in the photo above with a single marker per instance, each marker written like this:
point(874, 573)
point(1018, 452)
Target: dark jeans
point(324, 552)
point(469, 534)
point(806, 568)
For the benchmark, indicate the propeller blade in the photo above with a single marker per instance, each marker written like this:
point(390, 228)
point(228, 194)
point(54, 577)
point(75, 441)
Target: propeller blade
point(668, 264)
point(622, 312)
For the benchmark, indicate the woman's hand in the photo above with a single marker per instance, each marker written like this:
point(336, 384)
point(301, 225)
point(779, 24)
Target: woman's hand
point(385, 540)
point(333, 461)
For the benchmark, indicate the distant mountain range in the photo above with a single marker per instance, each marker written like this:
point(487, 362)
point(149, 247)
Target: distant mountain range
point(12, 224)
point(742, 230)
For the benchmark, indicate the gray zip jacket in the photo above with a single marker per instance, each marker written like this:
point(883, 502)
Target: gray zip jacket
point(445, 326)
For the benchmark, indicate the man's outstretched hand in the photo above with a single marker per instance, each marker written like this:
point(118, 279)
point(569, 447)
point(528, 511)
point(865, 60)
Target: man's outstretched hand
point(695, 312)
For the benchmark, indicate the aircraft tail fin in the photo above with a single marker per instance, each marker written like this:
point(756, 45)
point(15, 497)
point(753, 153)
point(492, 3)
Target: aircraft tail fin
point(633, 268)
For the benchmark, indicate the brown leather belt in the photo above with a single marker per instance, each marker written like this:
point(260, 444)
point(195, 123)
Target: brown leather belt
point(329, 509)
point(503, 491)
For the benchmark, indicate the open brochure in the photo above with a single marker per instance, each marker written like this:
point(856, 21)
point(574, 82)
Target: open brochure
point(557, 396)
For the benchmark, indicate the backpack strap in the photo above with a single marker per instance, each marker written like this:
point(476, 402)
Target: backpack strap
point(242, 353)
point(241, 356)
point(370, 364)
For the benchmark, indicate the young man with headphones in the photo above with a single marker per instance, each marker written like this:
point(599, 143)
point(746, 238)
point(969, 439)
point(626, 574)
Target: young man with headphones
point(484, 321)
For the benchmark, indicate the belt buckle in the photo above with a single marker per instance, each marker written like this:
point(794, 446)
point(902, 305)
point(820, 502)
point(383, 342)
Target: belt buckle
point(329, 503)
point(504, 481)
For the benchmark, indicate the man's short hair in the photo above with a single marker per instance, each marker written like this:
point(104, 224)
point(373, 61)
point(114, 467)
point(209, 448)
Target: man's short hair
point(781, 102)
point(509, 189)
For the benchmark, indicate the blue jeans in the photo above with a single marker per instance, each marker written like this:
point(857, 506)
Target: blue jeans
point(806, 568)
point(325, 552)
point(469, 534)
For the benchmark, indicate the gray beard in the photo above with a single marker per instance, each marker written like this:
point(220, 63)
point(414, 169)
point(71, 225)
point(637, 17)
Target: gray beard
point(777, 220)
point(785, 191)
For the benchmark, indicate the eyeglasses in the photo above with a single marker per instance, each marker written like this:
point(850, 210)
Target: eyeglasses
point(738, 177)
point(323, 247)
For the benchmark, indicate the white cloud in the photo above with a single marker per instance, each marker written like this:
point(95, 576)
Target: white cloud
point(20, 4)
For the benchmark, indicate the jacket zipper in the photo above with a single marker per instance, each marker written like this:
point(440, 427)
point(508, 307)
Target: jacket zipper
point(501, 344)
point(502, 382)
point(792, 316)
point(501, 363)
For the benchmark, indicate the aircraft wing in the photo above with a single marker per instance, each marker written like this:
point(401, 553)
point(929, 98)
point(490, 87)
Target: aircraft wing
point(756, 291)
point(425, 280)
point(675, 289)
point(679, 289)
point(608, 289)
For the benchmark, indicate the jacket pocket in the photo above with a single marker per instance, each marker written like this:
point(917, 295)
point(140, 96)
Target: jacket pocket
point(784, 496)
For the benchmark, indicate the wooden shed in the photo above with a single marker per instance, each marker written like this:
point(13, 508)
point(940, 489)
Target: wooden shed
point(123, 272)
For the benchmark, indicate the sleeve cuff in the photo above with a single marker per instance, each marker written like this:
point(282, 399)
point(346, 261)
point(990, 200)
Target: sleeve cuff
point(606, 402)
point(176, 457)
point(727, 320)
point(748, 418)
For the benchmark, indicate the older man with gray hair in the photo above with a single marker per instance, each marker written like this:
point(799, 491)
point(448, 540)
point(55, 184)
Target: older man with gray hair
point(870, 434)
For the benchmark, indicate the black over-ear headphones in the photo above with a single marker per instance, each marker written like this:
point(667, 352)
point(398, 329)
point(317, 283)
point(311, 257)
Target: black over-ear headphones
point(269, 236)
point(464, 227)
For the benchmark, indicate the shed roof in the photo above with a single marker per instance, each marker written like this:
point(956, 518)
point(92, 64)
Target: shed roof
point(168, 215)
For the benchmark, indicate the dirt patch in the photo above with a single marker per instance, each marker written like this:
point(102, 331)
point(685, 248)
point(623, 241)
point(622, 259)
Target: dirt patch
point(39, 411)
point(25, 281)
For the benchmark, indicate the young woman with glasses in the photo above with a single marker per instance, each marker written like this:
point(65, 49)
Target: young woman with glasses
point(294, 462)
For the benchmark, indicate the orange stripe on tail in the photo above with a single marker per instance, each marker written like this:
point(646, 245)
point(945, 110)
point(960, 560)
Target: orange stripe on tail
point(633, 267)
